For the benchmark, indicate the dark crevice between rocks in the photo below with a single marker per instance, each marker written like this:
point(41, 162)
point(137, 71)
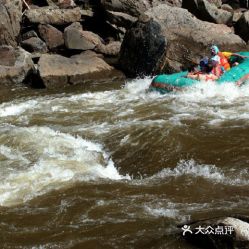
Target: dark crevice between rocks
point(40, 3)
point(98, 22)
point(33, 80)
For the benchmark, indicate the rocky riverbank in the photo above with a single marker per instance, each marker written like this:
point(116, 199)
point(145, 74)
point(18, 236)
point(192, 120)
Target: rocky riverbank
point(57, 43)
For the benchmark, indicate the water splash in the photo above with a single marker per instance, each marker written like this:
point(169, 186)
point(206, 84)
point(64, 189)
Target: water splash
point(55, 161)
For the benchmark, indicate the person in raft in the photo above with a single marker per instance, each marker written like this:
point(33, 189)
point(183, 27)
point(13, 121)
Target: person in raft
point(226, 59)
point(202, 68)
point(209, 69)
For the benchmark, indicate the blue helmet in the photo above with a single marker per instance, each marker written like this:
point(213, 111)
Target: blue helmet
point(204, 62)
point(214, 49)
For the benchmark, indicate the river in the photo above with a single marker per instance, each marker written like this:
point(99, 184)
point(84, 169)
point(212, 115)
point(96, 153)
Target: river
point(117, 166)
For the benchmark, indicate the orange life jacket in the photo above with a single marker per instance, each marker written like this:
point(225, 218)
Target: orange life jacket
point(224, 61)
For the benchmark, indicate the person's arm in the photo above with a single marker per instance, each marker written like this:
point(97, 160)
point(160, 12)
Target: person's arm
point(239, 55)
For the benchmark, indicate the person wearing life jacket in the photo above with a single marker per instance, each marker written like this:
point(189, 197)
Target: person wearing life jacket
point(216, 67)
point(214, 70)
point(223, 60)
point(233, 58)
point(195, 72)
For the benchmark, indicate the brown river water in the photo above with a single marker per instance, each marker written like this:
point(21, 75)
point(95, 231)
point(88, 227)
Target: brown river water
point(116, 166)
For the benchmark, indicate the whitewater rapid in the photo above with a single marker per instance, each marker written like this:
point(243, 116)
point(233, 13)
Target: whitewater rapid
point(45, 145)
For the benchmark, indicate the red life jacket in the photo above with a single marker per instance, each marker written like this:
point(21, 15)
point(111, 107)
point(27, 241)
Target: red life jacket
point(224, 61)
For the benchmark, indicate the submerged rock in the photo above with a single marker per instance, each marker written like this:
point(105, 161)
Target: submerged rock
point(58, 71)
point(15, 65)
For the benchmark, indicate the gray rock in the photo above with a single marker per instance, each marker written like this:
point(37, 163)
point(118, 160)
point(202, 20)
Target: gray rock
point(219, 233)
point(144, 49)
point(48, 15)
point(29, 34)
point(217, 3)
point(15, 65)
point(34, 44)
point(136, 7)
point(76, 38)
point(120, 19)
point(10, 16)
point(111, 49)
point(237, 16)
point(7, 55)
point(51, 35)
point(206, 11)
point(58, 71)
point(227, 7)
point(242, 26)
point(63, 4)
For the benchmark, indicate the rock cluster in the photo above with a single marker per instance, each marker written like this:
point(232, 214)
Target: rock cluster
point(64, 42)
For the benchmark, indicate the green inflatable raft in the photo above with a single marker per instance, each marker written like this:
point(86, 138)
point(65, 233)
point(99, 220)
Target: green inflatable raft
point(165, 83)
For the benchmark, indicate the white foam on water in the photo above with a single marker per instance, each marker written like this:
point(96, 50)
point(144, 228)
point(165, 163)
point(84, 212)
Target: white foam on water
point(11, 154)
point(14, 109)
point(59, 160)
point(215, 103)
point(193, 169)
point(209, 172)
point(162, 212)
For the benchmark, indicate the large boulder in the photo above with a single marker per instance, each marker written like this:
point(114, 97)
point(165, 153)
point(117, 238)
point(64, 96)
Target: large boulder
point(219, 233)
point(57, 71)
point(242, 26)
point(207, 11)
point(48, 15)
point(144, 48)
point(136, 7)
point(15, 65)
point(10, 16)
